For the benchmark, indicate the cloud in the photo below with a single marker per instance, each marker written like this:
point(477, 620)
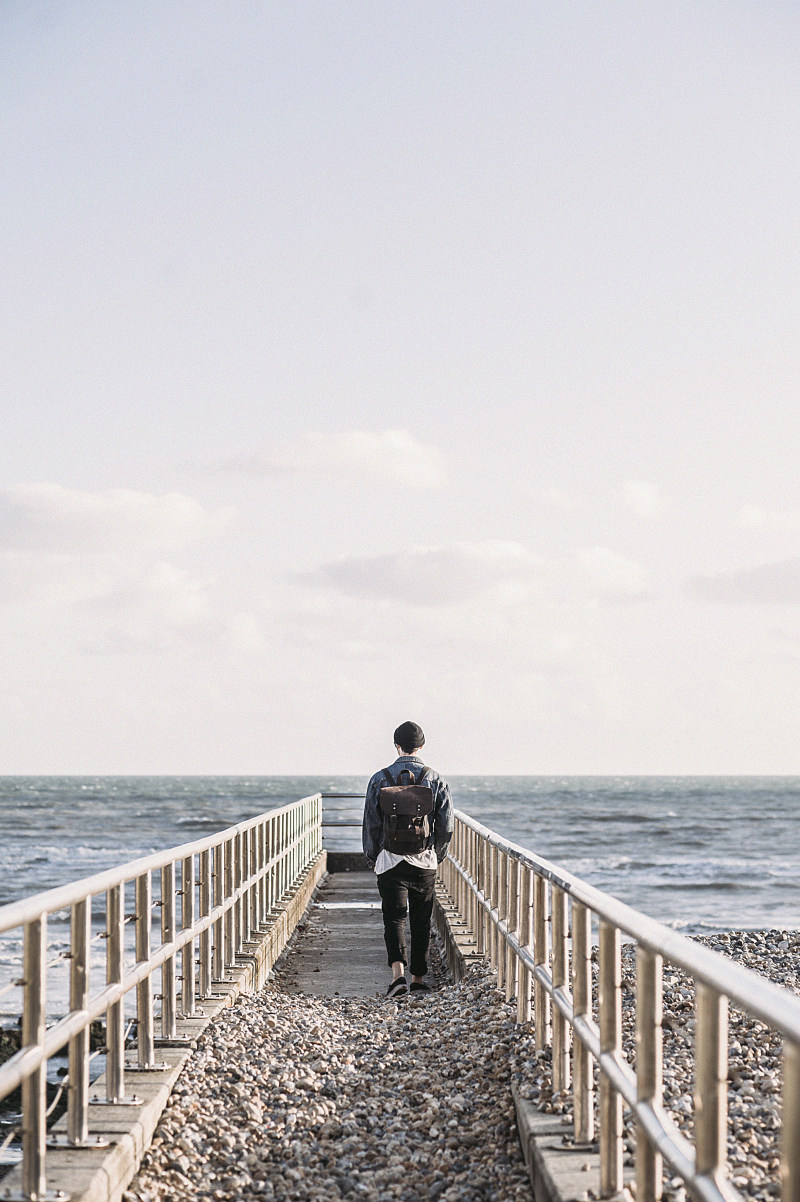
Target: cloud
point(45, 517)
point(609, 576)
point(767, 584)
point(392, 456)
point(95, 567)
point(754, 517)
point(558, 498)
point(429, 576)
point(644, 498)
point(456, 572)
point(151, 611)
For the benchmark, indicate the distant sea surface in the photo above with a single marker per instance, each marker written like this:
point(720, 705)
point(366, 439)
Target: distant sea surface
point(698, 853)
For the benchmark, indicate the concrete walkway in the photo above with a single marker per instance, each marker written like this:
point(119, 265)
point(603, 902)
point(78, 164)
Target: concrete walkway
point(338, 950)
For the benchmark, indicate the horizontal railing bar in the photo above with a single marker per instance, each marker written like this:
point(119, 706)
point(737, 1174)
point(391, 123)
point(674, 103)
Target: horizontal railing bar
point(759, 997)
point(326, 796)
point(27, 1060)
point(653, 1121)
point(665, 1136)
point(280, 846)
point(30, 909)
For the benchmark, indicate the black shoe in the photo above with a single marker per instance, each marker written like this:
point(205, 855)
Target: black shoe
point(420, 987)
point(398, 987)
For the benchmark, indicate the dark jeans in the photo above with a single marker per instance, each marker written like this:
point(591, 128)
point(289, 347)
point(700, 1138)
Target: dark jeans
point(407, 891)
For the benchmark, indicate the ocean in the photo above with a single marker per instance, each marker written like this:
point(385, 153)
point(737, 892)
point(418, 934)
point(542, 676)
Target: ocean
point(698, 853)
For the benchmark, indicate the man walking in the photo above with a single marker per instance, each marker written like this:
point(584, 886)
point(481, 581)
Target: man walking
point(406, 881)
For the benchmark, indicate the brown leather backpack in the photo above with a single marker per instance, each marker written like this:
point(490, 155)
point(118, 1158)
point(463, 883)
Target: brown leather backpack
point(406, 805)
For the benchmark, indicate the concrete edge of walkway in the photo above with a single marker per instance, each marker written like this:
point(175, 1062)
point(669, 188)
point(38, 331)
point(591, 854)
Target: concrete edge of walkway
point(103, 1174)
point(460, 948)
point(559, 1171)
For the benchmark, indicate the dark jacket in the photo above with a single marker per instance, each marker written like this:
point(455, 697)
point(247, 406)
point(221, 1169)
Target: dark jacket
point(442, 816)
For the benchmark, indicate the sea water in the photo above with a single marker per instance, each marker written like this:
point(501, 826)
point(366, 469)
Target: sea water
point(698, 853)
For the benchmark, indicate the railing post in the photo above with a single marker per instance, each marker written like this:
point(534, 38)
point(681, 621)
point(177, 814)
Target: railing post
point(239, 906)
point(204, 978)
point(115, 1016)
point(711, 1082)
point(292, 849)
point(244, 863)
point(219, 927)
point(474, 909)
point(145, 1033)
point(449, 874)
point(280, 867)
point(255, 888)
point(34, 1104)
point(560, 981)
point(525, 932)
point(502, 914)
point(188, 885)
point(318, 820)
point(480, 864)
point(610, 1006)
point(790, 1124)
point(78, 1056)
point(285, 846)
point(541, 957)
point(491, 895)
point(512, 962)
point(269, 854)
point(582, 1008)
point(168, 1007)
point(263, 884)
point(231, 947)
point(649, 1066)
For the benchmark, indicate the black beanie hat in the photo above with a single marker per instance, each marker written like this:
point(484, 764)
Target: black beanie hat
point(409, 736)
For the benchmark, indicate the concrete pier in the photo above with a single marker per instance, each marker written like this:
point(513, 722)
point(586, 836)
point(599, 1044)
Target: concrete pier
point(338, 952)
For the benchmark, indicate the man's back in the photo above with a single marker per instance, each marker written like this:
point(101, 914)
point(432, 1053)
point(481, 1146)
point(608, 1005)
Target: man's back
point(406, 880)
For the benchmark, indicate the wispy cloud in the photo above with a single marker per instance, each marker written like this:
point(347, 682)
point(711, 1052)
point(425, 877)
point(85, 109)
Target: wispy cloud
point(768, 584)
point(392, 456)
point(559, 498)
point(45, 517)
point(607, 575)
point(644, 498)
point(779, 521)
point(428, 576)
point(456, 572)
point(98, 567)
point(148, 612)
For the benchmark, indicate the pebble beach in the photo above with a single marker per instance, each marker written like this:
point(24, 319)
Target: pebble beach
point(754, 1062)
point(294, 1097)
point(304, 1098)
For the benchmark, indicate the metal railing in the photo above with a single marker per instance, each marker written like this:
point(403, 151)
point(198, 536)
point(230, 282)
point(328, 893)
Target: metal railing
point(233, 888)
point(533, 920)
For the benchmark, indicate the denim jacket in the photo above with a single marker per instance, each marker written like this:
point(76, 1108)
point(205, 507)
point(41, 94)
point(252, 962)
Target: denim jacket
point(442, 817)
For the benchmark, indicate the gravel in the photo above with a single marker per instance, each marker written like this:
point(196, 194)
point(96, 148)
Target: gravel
point(754, 1062)
point(296, 1097)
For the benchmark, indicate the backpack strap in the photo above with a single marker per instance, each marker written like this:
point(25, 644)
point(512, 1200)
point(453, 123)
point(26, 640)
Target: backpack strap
point(390, 779)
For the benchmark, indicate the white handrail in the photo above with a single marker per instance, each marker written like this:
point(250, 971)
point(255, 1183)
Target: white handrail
point(27, 909)
point(245, 874)
point(515, 906)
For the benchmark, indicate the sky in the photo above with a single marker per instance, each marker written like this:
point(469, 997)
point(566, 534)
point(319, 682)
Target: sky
point(365, 362)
